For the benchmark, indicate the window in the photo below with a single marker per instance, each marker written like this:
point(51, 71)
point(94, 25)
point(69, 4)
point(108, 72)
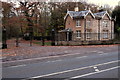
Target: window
point(78, 33)
point(105, 34)
point(105, 23)
point(88, 23)
point(88, 34)
point(78, 23)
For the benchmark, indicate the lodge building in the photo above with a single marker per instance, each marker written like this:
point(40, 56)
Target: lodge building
point(85, 25)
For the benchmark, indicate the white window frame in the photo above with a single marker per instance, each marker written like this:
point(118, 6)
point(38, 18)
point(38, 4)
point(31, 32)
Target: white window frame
point(78, 33)
point(78, 23)
point(89, 23)
point(105, 35)
point(105, 23)
point(88, 34)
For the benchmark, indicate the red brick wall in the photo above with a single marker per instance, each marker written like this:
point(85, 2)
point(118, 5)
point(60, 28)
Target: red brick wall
point(70, 23)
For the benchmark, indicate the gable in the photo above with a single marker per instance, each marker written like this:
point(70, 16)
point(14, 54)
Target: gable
point(102, 15)
point(68, 21)
point(106, 16)
point(89, 16)
point(67, 17)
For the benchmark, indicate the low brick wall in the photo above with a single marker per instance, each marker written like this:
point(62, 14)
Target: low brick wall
point(70, 43)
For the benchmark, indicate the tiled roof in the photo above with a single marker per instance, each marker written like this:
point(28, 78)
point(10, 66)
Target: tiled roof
point(100, 14)
point(79, 14)
point(66, 30)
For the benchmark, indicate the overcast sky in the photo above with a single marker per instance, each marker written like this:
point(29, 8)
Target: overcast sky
point(102, 2)
point(112, 3)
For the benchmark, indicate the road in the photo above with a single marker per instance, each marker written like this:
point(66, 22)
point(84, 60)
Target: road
point(99, 65)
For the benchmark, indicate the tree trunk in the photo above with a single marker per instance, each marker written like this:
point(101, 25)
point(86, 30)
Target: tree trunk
point(43, 39)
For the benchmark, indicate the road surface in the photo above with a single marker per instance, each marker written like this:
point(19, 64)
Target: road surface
point(98, 65)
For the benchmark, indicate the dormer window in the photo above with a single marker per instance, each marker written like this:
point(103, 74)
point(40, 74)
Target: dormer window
point(78, 23)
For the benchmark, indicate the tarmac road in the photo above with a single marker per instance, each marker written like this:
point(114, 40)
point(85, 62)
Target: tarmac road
point(100, 65)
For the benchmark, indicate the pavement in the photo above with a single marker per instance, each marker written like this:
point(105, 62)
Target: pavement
point(25, 51)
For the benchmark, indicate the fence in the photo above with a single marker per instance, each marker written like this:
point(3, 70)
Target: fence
point(86, 38)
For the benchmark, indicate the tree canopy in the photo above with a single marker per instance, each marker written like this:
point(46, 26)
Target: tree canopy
point(116, 15)
point(42, 16)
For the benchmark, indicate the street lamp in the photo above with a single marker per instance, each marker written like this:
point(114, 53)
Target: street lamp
point(68, 30)
point(53, 37)
point(68, 34)
point(4, 45)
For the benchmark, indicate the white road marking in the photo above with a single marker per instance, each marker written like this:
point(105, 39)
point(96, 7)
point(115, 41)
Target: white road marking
point(81, 57)
point(94, 73)
point(96, 69)
point(100, 52)
point(103, 54)
point(53, 61)
point(2, 58)
point(65, 51)
point(74, 69)
point(41, 58)
point(47, 61)
point(93, 51)
point(16, 66)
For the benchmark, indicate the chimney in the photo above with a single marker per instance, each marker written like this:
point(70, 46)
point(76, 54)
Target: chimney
point(67, 10)
point(89, 8)
point(76, 9)
point(85, 7)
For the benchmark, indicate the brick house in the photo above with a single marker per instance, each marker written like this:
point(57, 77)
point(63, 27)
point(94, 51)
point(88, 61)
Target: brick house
point(88, 26)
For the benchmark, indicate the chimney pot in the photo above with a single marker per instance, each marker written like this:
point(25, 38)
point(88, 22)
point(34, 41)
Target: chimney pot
point(76, 9)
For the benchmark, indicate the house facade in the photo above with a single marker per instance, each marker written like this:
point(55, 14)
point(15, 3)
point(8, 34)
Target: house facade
point(85, 25)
